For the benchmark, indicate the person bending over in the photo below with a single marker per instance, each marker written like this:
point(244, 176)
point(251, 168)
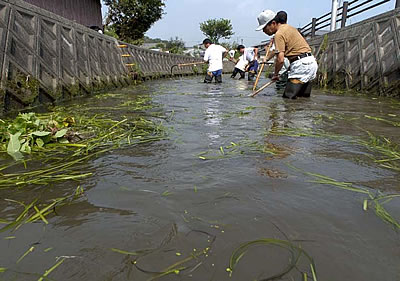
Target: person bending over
point(240, 67)
point(250, 54)
point(291, 44)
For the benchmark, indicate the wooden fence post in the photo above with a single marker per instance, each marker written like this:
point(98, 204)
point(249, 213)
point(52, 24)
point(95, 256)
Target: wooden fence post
point(344, 13)
point(314, 23)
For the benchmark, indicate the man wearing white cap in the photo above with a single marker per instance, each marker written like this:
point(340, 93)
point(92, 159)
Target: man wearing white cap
point(291, 44)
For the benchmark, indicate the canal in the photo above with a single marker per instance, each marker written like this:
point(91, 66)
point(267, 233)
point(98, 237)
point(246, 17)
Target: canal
point(237, 188)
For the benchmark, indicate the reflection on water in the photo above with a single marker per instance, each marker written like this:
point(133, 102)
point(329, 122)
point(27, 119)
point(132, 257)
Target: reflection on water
point(166, 206)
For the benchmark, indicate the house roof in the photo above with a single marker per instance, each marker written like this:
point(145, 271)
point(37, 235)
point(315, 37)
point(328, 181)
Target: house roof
point(85, 12)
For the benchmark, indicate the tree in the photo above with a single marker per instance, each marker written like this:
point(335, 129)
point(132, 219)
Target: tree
point(175, 46)
point(160, 46)
point(229, 46)
point(130, 19)
point(217, 29)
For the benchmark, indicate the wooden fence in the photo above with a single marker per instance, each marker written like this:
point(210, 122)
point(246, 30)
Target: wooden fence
point(345, 12)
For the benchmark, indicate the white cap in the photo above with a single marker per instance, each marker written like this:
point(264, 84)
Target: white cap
point(265, 17)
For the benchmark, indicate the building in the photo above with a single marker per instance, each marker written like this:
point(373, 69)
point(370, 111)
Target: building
point(85, 12)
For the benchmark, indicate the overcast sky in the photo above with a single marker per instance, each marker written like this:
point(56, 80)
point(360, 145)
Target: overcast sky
point(182, 17)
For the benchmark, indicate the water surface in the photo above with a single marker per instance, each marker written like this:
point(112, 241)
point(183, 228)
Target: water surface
point(222, 178)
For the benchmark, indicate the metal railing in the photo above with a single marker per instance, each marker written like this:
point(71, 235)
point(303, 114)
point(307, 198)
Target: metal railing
point(348, 10)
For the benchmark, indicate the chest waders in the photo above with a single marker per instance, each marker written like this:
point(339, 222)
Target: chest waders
point(295, 89)
point(236, 71)
point(209, 77)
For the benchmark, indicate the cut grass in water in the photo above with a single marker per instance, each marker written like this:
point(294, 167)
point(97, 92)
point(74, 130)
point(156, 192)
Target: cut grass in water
point(34, 211)
point(57, 158)
point(241, 148)
point(388, 152)
point(376, 199)
point(50, 270)
point(296, 253)
point(188, 263)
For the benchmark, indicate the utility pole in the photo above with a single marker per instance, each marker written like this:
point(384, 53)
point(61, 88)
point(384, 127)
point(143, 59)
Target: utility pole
point(335, 6)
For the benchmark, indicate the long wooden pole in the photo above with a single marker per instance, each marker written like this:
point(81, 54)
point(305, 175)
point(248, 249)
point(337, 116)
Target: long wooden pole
point(191, 63)
point(187, 64)
point(262, 88)
point(262, 66)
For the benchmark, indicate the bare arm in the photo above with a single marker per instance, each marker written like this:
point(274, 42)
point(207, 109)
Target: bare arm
point(255, 53)
point(279, 60)
point(233, 59)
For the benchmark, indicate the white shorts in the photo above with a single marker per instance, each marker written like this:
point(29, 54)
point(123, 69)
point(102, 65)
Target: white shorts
point(304, 69)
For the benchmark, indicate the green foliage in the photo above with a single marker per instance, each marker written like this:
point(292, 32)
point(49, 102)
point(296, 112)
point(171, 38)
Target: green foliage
point(153, 40)
point(62, 144)
point(175, 46)
point(231, 46)
point(130, 19)
point(216, 29)
point(27, 131)
point(160, 46)
point(110, 31)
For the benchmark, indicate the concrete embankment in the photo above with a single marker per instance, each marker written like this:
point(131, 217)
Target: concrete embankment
point(46, 58)
point(362, 57)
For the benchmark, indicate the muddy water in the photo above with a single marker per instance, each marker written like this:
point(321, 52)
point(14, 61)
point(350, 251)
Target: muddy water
point(192, 199)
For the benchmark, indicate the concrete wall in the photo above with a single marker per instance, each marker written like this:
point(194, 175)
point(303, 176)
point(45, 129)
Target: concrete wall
point(47, 58)
point(363, 57)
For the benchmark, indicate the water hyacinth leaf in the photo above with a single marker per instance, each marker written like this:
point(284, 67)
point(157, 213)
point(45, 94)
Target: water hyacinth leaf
point(60, 133)
point(63, 141)
point(14, 144)
point(41, 133)
point(39, 142)
point(26, 148)
point(3, 269)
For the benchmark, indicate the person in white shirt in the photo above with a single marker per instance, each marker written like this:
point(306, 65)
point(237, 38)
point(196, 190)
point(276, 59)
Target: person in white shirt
point(240, 67)
point(250, 54)
point(214, 55)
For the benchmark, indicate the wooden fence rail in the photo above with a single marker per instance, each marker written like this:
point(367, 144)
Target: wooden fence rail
point(348, 10)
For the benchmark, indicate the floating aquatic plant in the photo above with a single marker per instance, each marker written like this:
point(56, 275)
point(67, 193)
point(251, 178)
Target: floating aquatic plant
point(61, 143)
